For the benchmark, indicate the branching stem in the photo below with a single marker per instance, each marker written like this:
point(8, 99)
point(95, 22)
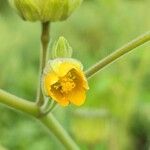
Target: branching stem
point(48, 121)
point(17, 103)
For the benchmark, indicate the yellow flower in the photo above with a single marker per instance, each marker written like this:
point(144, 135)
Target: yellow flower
point(64, 81)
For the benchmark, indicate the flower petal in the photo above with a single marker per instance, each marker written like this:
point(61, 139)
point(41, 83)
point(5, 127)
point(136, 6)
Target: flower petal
point(58, 96)
point(77, 97)
point(80, 78)
point(63, 102)
point(62, 66)
point(49, 80)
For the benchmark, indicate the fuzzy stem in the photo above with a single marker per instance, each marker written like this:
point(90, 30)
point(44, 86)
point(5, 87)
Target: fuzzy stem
point(45, 38)
point(17, 103)
point(48, 121)
point(52, 125)
point(117, 54)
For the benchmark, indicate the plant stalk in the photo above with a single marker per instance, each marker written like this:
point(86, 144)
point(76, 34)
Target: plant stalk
point(117, 54)
point(52, 125)
point(17, 103)
point(45, 38)
point(48, 121)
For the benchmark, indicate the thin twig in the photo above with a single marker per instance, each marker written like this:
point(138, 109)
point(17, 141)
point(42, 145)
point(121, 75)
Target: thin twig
point(117, 54)
point(45, 38)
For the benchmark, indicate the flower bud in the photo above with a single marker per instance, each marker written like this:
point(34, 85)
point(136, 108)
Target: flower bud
point(45, 10)
point(61, 49)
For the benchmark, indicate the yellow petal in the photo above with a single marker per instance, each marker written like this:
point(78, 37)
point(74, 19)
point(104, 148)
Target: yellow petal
point(63, 102)
point(62, 66)
point(49, 80)
point(56, 95)
point(77, 97)
point(82, 79)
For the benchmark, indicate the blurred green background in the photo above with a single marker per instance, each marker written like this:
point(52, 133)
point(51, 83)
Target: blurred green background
point(116, 115)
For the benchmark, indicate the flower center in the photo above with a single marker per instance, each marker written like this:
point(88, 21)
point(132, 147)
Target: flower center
point(66, 83)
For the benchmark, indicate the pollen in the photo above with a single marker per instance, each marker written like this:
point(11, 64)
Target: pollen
point(66, 83)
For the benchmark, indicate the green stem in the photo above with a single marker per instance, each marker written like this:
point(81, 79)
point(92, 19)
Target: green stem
point(51, 107)
point(47, 120)
point(18, 103)
point(52, 124)
point(45, 38)
point(117, 54)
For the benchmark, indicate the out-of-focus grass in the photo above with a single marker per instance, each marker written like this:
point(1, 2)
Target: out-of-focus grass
point(122, 89)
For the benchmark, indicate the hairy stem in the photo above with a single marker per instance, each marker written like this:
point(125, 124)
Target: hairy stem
point(45, 38)
point(117, 54)
point(52, 125)
point(17, 103)
point(48, 121)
